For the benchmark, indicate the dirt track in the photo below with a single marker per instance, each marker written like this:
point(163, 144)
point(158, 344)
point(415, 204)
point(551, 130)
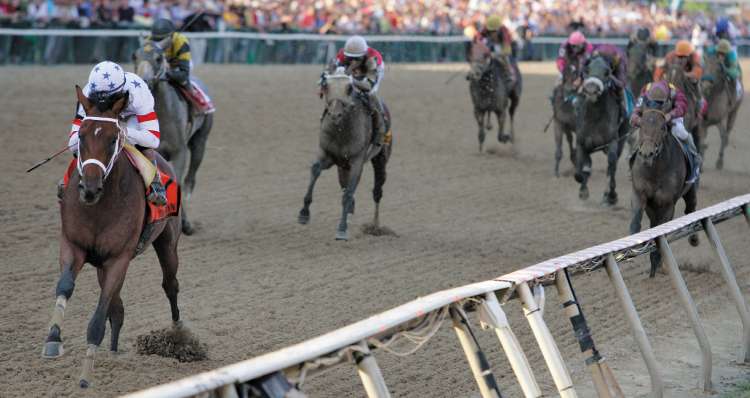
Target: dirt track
point(253, 280)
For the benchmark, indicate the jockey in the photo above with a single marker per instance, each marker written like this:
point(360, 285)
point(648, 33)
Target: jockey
point(618, 63)
point(726, 30)
point(728, 58)
point(365, 65)
point(498, 39)
point(686, 55)
point(177, 53)
point(107, 83)
point(670, 100)
point(576, 48)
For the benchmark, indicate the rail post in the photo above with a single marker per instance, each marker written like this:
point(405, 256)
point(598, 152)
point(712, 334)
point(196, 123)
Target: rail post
point(692, 310)
point(604, 381)
point(546, 343)
point(369, 372)
point(492, 314)
point(639, 334)
point(734, 289)
point(480, 368)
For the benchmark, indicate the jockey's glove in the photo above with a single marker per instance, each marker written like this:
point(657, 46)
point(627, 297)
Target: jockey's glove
point(178, 76)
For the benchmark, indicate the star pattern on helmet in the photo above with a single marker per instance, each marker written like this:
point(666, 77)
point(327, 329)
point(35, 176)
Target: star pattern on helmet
point(93, 86)
point(111, 86)
point(136, 84)
point(96, 69)
point(117, 67)
point(105, 75)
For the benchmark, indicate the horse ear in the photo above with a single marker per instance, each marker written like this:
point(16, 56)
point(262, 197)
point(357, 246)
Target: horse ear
point(119, 105)
point(87, 106)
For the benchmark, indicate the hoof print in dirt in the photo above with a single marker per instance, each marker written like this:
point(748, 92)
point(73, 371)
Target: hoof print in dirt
point(172, 342)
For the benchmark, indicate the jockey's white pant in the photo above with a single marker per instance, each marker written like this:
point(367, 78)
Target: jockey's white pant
point(134, 134)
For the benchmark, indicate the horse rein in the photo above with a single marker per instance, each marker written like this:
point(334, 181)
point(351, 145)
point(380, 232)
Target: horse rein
point(106, 169)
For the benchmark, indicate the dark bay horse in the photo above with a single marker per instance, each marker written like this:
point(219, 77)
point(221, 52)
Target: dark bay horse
point(659, 173)
point(675, 74)
point(723, 104)
point(103, 211)
point(564, 113)
point(183, 136)
point(599, 126)
point(489, 93)
point(640, 66)
point(346, 142)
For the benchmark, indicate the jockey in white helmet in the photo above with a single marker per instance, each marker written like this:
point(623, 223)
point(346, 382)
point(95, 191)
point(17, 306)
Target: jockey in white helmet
point(109, 82)
point(365, 65)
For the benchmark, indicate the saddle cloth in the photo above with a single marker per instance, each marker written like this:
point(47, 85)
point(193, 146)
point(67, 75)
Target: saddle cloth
point(198, 97)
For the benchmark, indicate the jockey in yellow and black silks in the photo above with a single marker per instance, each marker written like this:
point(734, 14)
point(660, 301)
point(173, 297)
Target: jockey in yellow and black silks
point(177, 51)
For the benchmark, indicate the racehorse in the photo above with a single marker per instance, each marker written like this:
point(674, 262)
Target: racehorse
point(489, 93)
point(103, 211)
point(564, 113)
point(675, 75)
point(659, 174)
point(640, 66)
point(183, 135)
point(599, 126)
point(723, 104)
point(346, 134)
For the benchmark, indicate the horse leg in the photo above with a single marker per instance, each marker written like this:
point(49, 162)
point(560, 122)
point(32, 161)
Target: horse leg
point(571, 147)
point(724, 133)
point(501, 136)
point(347, 199)
point(480, 121)
point(378, 166)
point(322, 163)
point(116, 313)
point(610, 196)
point(111, 283)
point(691, 202)
point(180, 161)
point(514, 101)
point(636, 211)
point(197, 145)
point(658, 216)
point(583, 171)
point(558, 147)
point(71, 262)
point(165, 247)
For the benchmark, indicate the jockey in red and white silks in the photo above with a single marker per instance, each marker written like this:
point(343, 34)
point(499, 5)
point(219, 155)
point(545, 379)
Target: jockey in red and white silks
point(141, 124)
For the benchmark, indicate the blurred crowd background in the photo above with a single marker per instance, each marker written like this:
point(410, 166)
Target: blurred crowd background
point(429, 17)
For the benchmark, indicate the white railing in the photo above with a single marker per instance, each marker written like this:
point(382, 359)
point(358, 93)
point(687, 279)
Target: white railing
point(421, 318)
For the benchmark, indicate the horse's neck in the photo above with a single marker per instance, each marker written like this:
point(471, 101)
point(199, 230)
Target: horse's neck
point(347, 131)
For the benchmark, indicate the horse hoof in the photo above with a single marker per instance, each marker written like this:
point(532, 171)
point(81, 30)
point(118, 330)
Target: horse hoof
point(52, 349)
point(719, 164)
point(187, 229)
point(583, 194)
point(693, 240)
point(342, 235)
point(84, 383)
point(303, 219)
point(578, 177)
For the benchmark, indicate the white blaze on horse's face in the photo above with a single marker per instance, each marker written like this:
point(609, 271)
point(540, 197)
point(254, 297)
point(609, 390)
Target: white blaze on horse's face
point(338, 87)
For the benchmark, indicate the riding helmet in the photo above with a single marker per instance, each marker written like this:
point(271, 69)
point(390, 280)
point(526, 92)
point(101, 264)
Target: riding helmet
point(683, 48)
point(162, 28)
point(724, 47)
point(494, 22)
point(643, 34)
point(355, 47)
point(107, 78)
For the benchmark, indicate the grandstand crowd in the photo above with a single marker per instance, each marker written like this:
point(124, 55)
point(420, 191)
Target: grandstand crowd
point(433, 17)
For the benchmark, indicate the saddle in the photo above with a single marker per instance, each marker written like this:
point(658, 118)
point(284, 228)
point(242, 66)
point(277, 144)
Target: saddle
point(199, 101)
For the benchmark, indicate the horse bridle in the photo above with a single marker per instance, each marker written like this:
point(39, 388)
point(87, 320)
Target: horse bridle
point(106, 169)
point(664, 128)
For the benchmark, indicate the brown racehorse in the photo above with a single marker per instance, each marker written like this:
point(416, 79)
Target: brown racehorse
point(103, 212)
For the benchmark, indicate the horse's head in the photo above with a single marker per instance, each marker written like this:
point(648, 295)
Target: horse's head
point(100, 140)
point(150, 63)
point(713, 73)
point(571, 77)
point(479, 60)
point(597, 75)
point(654, 130)
point(337, 91)
point(640, 62)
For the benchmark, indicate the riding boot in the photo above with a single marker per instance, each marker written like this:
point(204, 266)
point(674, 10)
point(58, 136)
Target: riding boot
point(507, 72)
point(378, 121)
point(157, 193)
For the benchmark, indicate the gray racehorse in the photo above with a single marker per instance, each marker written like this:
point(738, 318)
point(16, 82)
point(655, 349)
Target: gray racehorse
point(489, 93)
point(599, 126)
point(723, 104)
point(564, 114)
point(346, 142)
point(640, 66)
point(183, 136)
point(659, 172)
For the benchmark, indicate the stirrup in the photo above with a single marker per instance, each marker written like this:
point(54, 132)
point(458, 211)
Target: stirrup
point(158, 195)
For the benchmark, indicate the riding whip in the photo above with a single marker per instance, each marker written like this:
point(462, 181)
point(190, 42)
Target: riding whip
point(56, 154)
point(546, 127)
point(453, 76)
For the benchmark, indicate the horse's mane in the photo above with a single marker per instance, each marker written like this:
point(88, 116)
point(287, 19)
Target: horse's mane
point(104, 102)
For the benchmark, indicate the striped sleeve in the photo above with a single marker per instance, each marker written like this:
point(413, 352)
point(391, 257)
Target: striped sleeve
point(149, 122)
point(76, 123)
